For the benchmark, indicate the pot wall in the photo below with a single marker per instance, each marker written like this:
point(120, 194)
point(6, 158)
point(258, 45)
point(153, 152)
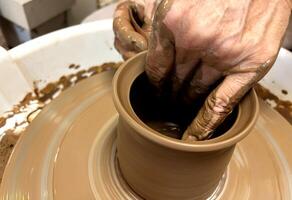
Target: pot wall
point(159, 167)
point(157, 172)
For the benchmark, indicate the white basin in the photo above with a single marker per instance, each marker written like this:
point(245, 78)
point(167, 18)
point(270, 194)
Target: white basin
point(47, 58)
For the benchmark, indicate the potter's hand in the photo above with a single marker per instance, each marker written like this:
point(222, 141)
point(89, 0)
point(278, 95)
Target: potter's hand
point(197, 43)
point(132, 25)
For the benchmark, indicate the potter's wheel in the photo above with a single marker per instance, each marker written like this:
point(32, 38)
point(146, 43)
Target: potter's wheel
point(68, 152)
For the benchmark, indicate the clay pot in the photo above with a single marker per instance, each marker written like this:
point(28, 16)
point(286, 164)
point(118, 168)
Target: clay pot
point(160, 167)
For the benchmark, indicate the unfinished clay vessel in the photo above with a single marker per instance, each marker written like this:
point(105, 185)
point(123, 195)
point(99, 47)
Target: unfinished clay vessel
point(159, 167)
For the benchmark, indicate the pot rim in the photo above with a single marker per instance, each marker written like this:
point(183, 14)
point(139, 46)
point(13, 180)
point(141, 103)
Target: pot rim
point(197, 146)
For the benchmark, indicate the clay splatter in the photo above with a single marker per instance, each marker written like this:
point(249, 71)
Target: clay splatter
point(73, 66)
point(2, 121)
point(14, 122)
point(284, 92)
point(282, 106)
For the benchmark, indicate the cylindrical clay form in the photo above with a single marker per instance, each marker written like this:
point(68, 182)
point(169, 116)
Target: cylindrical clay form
point(159, 167)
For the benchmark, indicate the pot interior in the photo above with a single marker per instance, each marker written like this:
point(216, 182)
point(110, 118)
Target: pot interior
point(168, 114)
point(236, 127)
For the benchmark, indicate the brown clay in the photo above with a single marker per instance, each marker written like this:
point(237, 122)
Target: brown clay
point(26, 110)
point(2, 121)
point(135, 23)
point(159, 167)
point(284, 107)
point(71, 146)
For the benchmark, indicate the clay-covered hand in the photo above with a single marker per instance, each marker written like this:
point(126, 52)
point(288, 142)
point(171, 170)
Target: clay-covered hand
point(196, 43)
point(132, 25)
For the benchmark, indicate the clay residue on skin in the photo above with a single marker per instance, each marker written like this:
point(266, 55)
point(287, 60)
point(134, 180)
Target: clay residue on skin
point(282, 106)
point(124, 30)
point(32, 104)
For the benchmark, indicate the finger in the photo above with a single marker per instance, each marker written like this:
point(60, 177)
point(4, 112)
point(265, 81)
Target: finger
point(185, 64)
point(145, 12)
point(124, 30)
point(126, 54)
point(150, 7)
point(139, 7)
point(136, 23)
point(222, 100)
point(204, 78)
point(219, 104)
point(160, 56)
point(159, 60)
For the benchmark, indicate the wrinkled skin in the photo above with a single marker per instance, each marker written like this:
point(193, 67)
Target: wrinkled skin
point(199, 42)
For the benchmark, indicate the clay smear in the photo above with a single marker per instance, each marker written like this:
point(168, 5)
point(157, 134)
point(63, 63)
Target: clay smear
point(282, 106)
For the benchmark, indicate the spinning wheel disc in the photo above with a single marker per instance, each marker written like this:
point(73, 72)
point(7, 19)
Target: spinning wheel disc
point(68, 152)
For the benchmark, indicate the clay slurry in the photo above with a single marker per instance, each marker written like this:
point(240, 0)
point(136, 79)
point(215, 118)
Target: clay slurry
point(163, 114)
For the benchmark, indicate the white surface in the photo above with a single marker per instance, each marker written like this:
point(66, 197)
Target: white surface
point(47, 58)
point(31, 13)
point(103, 13)
point(280, 76)
point(13, 11)
point(13, 84)
point(80, 9)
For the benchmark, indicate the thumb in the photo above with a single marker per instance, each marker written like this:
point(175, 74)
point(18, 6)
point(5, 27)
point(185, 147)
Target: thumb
point(125, 31)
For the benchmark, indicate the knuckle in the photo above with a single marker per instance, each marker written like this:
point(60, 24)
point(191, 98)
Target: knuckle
point(138, 42)
point(263, 58)
point(198, 87)
point(218, 105)
point(228, 49)
point(261, 51)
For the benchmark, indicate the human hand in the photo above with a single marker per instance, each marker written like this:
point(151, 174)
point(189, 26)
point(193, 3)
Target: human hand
point(132, 25)
point(196, 43)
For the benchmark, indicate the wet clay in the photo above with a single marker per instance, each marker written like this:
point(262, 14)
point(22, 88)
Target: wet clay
point(94, 162)
point(31, 105)
point(2, 121)
point(156, 166)
point(166, 115)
